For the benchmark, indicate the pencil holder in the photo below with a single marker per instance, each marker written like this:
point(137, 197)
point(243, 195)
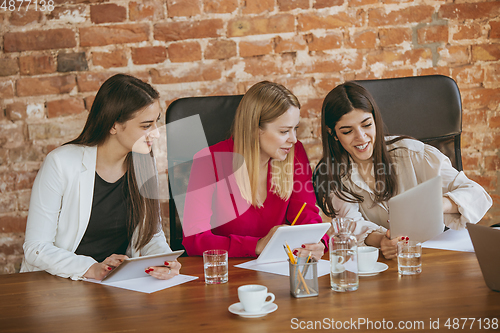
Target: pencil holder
point(303, 278)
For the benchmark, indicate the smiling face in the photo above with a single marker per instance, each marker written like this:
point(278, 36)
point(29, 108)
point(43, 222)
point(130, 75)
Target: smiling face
point(356, 133)
point(138, 133)
point(278, 137)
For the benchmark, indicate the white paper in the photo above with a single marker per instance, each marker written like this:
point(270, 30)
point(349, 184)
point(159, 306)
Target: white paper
point(147, 284)
point(455, 240)
point(281, 267)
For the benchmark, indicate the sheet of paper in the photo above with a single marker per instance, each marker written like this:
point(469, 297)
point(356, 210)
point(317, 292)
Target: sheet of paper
point(147, 284)
point(455, 240)
point(281, 268)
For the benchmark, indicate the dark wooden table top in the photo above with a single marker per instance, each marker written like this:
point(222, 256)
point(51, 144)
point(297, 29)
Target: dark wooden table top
point(449, 288)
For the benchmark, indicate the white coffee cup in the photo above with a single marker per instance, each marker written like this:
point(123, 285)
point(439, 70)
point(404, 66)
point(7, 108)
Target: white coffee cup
point(367, 258)
point(253, 297)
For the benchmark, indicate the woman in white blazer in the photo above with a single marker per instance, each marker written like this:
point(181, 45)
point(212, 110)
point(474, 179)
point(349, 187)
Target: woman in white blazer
point(86, 195)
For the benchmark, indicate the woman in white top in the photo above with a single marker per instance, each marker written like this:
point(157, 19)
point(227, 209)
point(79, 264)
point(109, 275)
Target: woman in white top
point(367, 168)
point(90, 207)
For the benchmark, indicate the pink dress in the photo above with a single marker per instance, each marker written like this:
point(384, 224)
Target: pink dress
point(217, 217)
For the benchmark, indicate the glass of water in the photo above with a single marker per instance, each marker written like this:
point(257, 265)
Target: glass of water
point(409, 257)
point(215, 266)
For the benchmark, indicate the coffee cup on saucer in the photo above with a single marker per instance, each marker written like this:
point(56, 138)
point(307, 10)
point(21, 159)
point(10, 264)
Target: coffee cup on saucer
point(253, 297)
point(367, 258)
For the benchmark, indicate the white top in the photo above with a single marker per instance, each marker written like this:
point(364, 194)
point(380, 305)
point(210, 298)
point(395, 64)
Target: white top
point(414, 163)
point(59, 212)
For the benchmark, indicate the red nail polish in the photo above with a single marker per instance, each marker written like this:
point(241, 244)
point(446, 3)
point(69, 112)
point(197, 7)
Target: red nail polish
point(295, 252)
point(166, 263)
point(109, 268)
point(147, 271)
point(303, 246)
point(407, 238)
point(151, 269)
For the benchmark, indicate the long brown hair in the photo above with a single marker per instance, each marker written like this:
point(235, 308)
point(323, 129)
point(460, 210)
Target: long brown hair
point(336, 163)
point(263, 103)
point(117, 101)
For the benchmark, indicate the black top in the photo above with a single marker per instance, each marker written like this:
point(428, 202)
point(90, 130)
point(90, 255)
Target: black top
point(106, 232)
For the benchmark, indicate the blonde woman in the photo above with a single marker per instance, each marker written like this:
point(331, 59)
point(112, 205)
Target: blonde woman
point(244, 188)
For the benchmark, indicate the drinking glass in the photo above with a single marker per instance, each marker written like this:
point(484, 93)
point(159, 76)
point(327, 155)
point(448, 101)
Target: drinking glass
point(215, 266)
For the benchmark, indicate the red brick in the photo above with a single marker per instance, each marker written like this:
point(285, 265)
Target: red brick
point(286, 5)
point(220, 49)
point(468, 75)
point(486, 52)
point(39, 40)
point(293, 44)
point(470, 119)
point(146, 10)
point(414, 14)
point(434, 71)
point(312, 107)
point(433, 34)
point(318, 4)
point(115, 58)
point(330, 41)
point(363, 40)
point(88, 102)
point(394, 36)
point(410, 57)
point(355, 3)
point(6, 89)
point(24, 17)
point(26, 153)
point(184, 52)
point(45, 85)
point(257, 6)
point(394, 73)
point(495, 29)
point(8, 203)
point(8, 66)
point(492, 163)
point(255, 48)
point(467, 31)
point(465, 11)
point(89, 82)
point(149, 55)
point(308, 22)
point(264, 65)
point(453, 56)
point(246, 26)
point(13, 223)
point(322, 63)
point(183, 7)
point(326, 84)
point(470, 162)
point(175, 31)
point(478, 98)
point(12, 135)
point(107, 13)
point(65, 107)
point(189, 73)
point(492, 73)
point(220, 6)
point(37, 64)
point(16, 111)
point(68, 13)
point(114, 34)
point(492, 141)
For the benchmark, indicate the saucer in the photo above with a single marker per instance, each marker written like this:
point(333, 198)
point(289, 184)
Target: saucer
point(379, 267)
point(237, 308)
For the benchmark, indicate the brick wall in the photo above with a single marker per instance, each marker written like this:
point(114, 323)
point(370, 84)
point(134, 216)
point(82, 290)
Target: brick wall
point(52, 63)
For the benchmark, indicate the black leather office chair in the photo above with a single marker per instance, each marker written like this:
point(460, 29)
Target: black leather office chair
point(216, 114)
point(428, 108)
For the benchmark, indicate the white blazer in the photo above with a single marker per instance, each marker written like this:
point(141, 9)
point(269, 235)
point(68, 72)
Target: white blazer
point(59, 212)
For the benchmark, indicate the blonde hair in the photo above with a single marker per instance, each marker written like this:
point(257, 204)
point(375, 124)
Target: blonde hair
point(263, 103)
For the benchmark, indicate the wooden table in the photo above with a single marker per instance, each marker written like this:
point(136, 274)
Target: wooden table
point(450, 286)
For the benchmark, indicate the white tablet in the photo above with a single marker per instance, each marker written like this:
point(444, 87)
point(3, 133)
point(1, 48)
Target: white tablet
point(418, 212)
point(295, 236)
point(135, 267)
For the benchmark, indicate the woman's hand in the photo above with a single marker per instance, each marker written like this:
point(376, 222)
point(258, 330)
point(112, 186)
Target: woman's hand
point(261, 244)
point(317, 250)
point(388, 246)
point(166, 272)
point(98, 271)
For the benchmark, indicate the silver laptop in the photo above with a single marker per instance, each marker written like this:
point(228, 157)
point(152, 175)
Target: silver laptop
point(486, 242)
point(418, 212)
